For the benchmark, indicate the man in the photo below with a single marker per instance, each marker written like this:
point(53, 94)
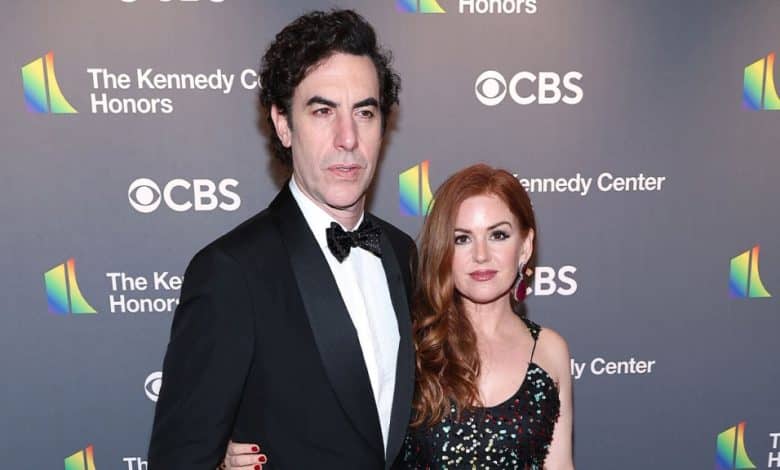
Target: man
point(293, 329)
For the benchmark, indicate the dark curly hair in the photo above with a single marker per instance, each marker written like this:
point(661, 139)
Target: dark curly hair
point(305, 42)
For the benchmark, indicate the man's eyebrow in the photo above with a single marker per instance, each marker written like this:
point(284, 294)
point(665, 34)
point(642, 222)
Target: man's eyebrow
point(326, 102)
point(366, 102)
point(320, 100)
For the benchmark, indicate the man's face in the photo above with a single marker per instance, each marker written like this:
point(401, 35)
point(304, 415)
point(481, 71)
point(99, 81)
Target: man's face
point(336, 131)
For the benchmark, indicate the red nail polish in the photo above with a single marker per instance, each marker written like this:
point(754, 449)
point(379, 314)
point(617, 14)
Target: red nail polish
point(255, 449)
point(262, 459)
point(257, 467)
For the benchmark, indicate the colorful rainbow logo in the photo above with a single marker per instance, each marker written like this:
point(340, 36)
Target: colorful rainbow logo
point(744, 278)
point(41, 89)
point(62, 290)
point(758, 89)
point(81, 460)
point(418, 6)
point(414, 189)
point(730, 452)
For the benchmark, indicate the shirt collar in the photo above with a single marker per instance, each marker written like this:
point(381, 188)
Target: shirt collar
point(317, 219)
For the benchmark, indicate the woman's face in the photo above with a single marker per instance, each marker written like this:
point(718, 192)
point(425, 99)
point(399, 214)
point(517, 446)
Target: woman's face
point(489, 246)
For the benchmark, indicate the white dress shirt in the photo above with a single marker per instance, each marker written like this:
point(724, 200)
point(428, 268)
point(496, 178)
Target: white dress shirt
point(363, 286)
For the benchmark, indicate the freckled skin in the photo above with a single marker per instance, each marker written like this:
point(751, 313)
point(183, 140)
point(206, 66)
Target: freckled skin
point(487, 238)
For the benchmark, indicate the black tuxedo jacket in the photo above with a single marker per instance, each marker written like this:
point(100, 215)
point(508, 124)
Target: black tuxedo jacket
point(263, 350)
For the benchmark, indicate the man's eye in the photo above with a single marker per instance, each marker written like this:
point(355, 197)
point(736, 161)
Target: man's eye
point(461, 239)
point(322, 111)
point(499, 235)
point(366, 113)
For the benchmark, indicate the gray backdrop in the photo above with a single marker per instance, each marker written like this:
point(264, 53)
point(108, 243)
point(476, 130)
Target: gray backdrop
point(657, 90)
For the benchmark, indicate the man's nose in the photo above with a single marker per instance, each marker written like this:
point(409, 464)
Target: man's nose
point(346, 132)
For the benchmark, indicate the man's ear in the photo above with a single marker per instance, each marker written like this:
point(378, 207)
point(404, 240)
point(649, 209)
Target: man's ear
point(281, 125)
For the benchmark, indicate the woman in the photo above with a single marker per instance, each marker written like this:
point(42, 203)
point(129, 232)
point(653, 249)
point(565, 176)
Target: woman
point(493, 389)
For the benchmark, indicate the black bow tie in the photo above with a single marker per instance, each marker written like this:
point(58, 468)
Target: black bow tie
point(366, 237)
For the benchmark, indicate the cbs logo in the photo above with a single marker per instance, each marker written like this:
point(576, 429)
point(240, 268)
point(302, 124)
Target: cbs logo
point(543, 88)
point(548, 281)
point(152, 385)
point(182, 195)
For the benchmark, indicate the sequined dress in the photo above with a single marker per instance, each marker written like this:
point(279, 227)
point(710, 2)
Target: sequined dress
point(514, 434)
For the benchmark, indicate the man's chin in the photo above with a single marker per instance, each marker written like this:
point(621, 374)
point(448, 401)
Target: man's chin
point(348, 198)
point(344, 205)
point(346, 201)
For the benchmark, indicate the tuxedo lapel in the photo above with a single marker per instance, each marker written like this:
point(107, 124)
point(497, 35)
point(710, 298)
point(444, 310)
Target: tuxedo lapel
point(404, 372)
point(334, 333)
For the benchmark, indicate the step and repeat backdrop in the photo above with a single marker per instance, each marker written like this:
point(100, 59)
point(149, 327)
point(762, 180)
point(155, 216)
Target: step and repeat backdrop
point(646, 132)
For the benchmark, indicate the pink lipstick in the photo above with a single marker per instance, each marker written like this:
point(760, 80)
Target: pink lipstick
point(483, 274)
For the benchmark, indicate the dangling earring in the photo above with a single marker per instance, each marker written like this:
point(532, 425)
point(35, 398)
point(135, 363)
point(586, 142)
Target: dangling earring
point(519, 288)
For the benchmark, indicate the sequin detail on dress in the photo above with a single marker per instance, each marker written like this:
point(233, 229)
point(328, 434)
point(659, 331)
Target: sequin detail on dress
point(515, 434)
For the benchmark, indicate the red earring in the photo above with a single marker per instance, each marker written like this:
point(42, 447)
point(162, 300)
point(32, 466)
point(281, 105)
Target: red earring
point(519, 289)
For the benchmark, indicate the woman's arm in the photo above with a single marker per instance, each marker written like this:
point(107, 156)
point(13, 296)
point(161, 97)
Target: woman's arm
point(560, 453)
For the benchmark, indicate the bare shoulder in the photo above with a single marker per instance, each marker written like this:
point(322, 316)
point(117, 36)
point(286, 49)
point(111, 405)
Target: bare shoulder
point(554, 351)
point(551, 342)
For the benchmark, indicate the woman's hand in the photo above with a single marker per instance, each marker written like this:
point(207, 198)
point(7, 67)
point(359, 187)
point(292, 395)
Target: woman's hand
point(243, 457)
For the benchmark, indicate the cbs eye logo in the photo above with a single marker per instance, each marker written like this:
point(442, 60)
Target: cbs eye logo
point(144, 195)
point(152, 385)
point(181, 195)
point(490, 88)
point(545, 88)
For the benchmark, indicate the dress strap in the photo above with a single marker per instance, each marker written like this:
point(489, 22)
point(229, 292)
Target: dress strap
point(534, 329)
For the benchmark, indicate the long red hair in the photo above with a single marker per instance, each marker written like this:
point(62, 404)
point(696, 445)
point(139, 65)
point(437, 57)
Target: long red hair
point(447, 361)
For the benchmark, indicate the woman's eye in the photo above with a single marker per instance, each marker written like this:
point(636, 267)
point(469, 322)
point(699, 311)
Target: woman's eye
point(499, 235)
point(461, 239)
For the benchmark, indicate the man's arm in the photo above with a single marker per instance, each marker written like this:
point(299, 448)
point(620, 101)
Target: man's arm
point(205, 367)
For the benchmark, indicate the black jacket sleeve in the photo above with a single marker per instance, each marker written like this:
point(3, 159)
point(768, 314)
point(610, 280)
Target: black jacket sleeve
point(205, 366)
